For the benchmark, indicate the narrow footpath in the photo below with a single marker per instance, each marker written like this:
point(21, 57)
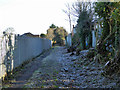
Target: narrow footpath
point(59, 69)
point(21, 75)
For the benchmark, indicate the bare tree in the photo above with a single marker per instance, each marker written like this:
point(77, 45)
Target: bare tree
point(68, 12)
point(73, 11)
point(9, 30)
point(80, 6)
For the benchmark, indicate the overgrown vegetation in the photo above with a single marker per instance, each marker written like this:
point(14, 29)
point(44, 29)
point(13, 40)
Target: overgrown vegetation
point(57, 35)
point(109, 43)
point(82, 39)
point(42, 35)
point(104, 19)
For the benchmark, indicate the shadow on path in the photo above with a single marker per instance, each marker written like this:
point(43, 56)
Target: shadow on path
point(26, 72)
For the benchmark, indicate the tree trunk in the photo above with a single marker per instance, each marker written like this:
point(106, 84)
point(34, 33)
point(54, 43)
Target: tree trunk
point(83, 42)
point(90, 40)
point(119, 42)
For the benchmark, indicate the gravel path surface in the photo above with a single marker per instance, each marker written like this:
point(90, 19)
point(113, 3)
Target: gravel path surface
point(60, 70)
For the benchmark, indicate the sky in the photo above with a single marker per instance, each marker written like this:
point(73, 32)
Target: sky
point(33, 16)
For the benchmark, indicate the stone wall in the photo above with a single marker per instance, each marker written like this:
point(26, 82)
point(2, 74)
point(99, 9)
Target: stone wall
point(15, 49)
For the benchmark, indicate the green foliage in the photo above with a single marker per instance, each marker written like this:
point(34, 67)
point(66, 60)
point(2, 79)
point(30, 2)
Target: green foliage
point(43, 35)
point(103, 12)
point(83, 27)
point(53, 26)
point(75, 39)
point(57, 35)
point(110, 13)
point(50, 33)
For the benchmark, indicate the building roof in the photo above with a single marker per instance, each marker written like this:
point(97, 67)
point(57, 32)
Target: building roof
point(30, 35)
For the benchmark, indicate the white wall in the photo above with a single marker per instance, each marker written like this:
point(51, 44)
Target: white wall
point(17, 49)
